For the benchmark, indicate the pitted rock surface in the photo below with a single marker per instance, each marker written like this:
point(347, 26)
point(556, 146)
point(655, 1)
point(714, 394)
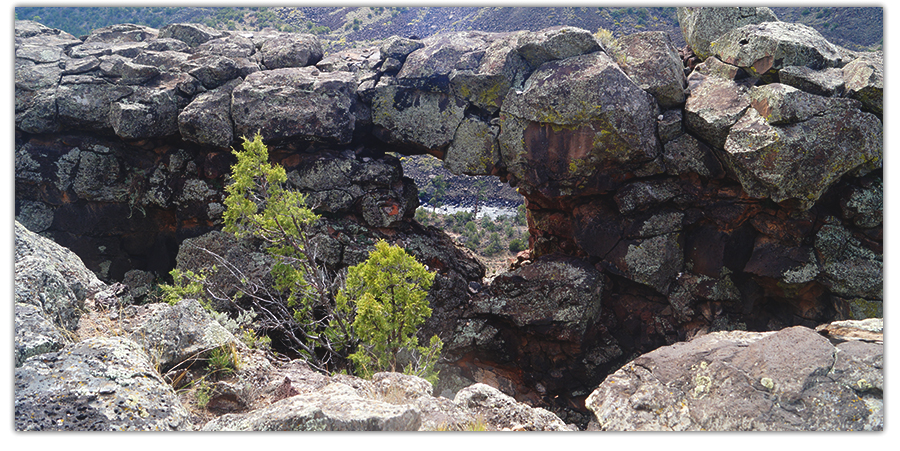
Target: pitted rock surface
point(789, 380)
point(712, 202)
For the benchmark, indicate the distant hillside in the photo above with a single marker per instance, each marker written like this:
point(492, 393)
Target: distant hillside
point(856, 28)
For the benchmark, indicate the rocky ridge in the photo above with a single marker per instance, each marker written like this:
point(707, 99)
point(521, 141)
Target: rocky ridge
point(670, 193)
point(126, 370)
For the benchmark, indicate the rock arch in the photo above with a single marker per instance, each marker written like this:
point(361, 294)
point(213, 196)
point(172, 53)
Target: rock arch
point(661, 204)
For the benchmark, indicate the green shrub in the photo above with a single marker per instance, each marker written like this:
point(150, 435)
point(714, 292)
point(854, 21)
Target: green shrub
point(378, 310)
point(517, 245)
point(185, 285)
point(258, 205)
point(222, 361)
point(388, 294)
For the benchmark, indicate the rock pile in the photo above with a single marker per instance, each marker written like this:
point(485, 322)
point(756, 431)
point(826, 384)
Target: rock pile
point(123, 378)
point(740, 191)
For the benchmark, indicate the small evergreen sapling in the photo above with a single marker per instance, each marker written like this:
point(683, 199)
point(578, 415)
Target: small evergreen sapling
point(259, 205)
point(388, 293)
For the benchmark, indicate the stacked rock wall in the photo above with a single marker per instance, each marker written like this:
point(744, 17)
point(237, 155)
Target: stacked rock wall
point(744, 192)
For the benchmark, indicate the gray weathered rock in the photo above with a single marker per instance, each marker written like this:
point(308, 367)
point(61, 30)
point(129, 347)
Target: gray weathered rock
point(291, 50)
point(150, 111)
point(213, 70)
point(100, 384)
point(429, 68)
point(793, 379)
point(84, 102)
point(475, 149)
point(827, 82)
point(555, 43)
point(35, 334)
point(701, 26)
point(122, 33)
point(556, 297)
point(399, 48)
point(191, 34)
point(686, 154)
point(864, 81)
point(123, 71)
point(848, 267)
point(573, 119)
point(865, 205)
point(714, 105)
point(184, 332)
point(207, 119)
point(300, 103)
point(763, 49)
point(502, 410)
point(51, 278)
point(337, 407)
point(652, 62)
point(773, 145)
point(420, 119)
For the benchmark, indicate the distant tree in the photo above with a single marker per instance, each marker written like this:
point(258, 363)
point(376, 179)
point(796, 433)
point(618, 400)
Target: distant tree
point(516, 245)
point(521, 215)
point(494, 246)
point(480, 186)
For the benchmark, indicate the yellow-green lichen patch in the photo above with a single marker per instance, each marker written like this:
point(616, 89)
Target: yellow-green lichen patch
point(702, 385)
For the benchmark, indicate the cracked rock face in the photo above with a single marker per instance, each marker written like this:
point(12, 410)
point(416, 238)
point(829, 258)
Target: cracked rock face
point(101, 384)
point(793, 379)
point(717, 200)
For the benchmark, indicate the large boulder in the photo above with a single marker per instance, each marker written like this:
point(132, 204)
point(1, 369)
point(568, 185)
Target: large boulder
point(652, 62)
point(296, 103)
point(337, 407)
point(714, 105)
point(701, 26)
point(502, 410)
point(151, 111)
point(419, 120)
point(429, 68)
point(84, 102)
point(794, 145)
point(291, 50)
point(190, 33)
point(35, 334)
point(184, 332)
point(556, 298)
point(574, 120)
point(501, 68)
point(864, 81)
point(51, 277)
point(475, 149)
point(207, 119)
point(555, 43)
point(100, 384)
point(763, 49)
point(793, 379)
point(849, 268)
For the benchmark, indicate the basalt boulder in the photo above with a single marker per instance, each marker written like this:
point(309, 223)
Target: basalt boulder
point(296, 103)
point(51, 277)
point(793, 146)
point(789, 380)
point(291, 50)
point(573, 121)
point(864, 81)
point(100, 384)
point(703, 26)
point(763, 49)
point(652, 62)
